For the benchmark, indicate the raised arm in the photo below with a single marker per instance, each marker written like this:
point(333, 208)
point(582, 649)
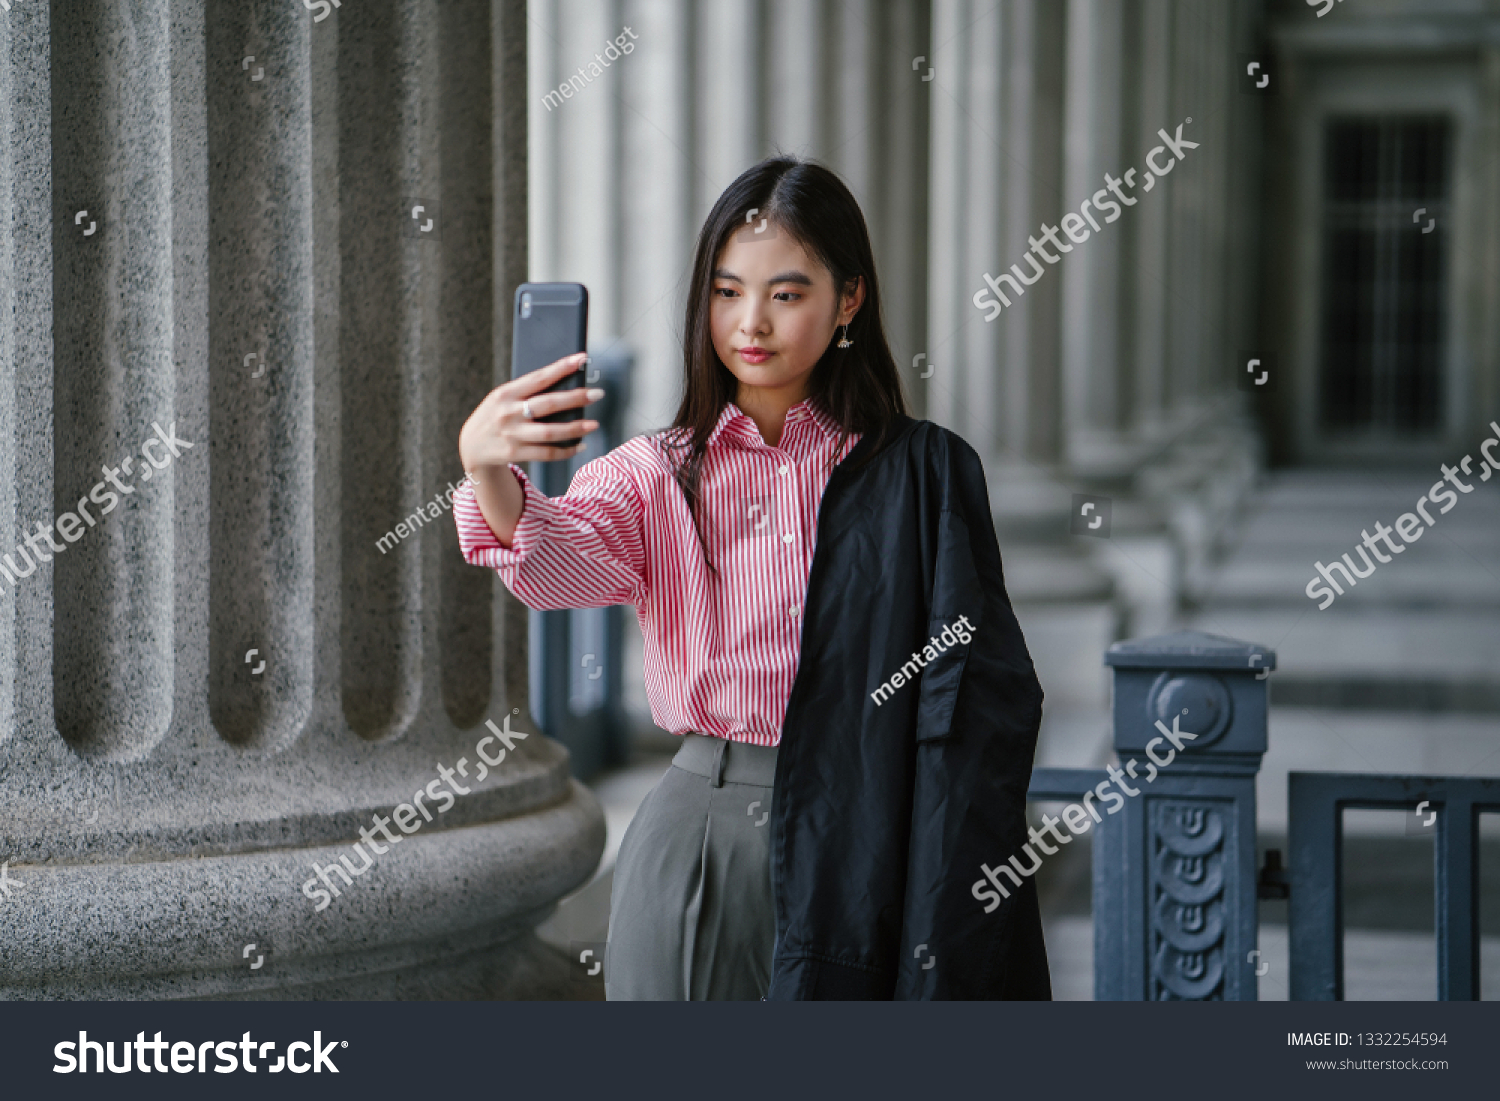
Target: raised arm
point(498, 433)
point(583, 550)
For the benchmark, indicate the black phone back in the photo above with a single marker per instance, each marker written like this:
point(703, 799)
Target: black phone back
point(550, 321)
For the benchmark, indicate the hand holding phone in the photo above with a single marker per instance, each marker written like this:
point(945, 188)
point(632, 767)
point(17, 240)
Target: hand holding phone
point(499, 432)
point(535, 416)
point(549, 322)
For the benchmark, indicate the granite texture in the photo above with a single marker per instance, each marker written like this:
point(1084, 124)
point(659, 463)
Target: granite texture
point(253, 284)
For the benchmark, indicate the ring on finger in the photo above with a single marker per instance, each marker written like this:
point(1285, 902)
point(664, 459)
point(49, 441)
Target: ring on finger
point(526, 410)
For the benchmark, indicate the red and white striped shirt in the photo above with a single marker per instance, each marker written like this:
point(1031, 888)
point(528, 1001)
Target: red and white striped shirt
point(720, 652)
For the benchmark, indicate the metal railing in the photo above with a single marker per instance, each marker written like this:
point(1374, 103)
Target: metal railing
point(1316, 804)
point(1174, 878)
point(1174, 893)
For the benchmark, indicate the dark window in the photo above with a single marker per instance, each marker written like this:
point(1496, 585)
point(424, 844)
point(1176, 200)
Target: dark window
point(1383, 318)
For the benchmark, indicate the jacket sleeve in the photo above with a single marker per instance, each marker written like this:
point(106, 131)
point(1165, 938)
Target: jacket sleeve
point(976, 730)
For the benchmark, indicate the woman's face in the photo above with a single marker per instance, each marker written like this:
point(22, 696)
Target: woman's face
point(774, 310)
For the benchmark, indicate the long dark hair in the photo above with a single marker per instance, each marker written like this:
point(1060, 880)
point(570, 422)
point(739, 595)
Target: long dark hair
point(859, 387)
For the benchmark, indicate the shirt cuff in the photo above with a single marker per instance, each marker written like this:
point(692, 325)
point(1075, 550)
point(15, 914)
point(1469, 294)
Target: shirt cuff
point(477, 540)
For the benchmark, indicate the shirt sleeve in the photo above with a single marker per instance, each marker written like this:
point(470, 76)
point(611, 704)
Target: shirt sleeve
point(585, 549)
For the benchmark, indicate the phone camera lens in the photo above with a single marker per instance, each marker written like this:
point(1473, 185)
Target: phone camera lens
point(526, 304)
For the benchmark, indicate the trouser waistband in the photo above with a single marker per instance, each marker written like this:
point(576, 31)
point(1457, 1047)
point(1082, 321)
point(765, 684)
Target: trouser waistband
point(723, 761)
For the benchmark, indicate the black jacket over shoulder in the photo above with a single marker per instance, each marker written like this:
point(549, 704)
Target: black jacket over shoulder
point(883, 812)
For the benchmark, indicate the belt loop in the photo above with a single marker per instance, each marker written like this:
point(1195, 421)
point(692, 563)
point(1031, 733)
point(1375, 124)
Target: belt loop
point(717, 779)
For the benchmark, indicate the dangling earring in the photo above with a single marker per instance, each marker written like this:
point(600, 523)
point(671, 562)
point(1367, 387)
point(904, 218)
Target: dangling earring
point(845, 342)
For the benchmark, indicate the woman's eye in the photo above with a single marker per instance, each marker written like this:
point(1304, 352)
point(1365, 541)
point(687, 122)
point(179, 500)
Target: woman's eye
point(789, 295)
point(725, 291)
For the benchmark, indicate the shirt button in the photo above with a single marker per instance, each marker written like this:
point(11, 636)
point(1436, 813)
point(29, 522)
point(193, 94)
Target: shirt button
point(792, 611)
point(788, 537)
point(783, 469)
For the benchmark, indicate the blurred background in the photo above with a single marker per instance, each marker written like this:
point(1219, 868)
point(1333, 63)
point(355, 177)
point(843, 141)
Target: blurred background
point(1337, 222)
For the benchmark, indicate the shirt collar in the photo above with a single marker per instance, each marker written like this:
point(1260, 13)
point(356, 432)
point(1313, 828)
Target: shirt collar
point(807, 416)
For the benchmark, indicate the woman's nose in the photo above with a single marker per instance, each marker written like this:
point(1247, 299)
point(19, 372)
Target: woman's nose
point(752, 320)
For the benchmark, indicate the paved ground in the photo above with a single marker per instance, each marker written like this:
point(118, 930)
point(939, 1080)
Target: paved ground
point(583, 916)
point(1379, 965)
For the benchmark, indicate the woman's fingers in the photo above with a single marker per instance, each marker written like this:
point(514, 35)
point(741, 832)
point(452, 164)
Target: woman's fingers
point(517, 389)
point(544, 405)
point(500, 432)
point(541, 453)
point(530, 432)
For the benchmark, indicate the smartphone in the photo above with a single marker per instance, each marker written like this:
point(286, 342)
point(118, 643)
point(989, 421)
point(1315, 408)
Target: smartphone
point(551, 321)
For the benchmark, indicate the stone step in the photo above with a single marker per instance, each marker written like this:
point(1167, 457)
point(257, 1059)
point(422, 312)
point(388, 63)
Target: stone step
point(1420, 634)
point(1458, 642)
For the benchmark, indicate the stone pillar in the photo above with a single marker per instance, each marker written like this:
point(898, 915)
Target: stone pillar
point(1148, 274)
point(731, 114)
point(798, 43)
point(897, 209)
point(996, 161)
point(220, 681)
point(660, 227)
point(1095, 364)
point(1192, 261)
point(964, 231)
point(579, 241)
point(995, 177)
point(1486, 340)
point(1174, 876)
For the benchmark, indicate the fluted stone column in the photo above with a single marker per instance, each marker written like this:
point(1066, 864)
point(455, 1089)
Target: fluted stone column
point(1148, 276)
point(897, 209)
point(1196, 313)
point(1487, 339)
point(211, 691)
point(728, 71)
point(1102, 293)
point(968, 137)
point(1106, 374)
point(996, 162)
point(855, 136)
point(1095, 365)
point(1192, 263)
point(1100, 363)
point(799, 37)
point(659, 232)
point(1034, 86)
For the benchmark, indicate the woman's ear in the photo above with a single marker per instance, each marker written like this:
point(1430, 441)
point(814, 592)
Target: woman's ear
point(852, 299)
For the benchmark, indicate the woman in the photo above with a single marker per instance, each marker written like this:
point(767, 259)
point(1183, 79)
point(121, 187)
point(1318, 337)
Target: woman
point(711, 530)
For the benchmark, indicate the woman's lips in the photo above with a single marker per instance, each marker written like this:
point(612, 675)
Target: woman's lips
point(754, 355)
